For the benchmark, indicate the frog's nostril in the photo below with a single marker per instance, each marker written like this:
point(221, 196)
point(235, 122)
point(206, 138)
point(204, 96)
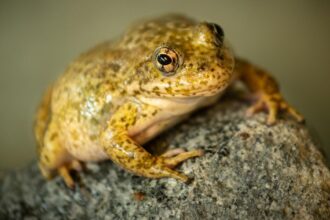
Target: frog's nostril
point(218, 33)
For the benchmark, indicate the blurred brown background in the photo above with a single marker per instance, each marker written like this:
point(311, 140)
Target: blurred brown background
point(39, 38)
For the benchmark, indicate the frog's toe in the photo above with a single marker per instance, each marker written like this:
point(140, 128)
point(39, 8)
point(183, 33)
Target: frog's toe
point(273, 108)
point(292, 111)
point(173, 152)
point(255, 108)
point(168, 172)
point(64, 172)
point(178, 158)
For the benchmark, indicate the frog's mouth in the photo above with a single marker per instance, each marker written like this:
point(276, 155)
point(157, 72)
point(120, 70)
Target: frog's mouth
point(166, 91)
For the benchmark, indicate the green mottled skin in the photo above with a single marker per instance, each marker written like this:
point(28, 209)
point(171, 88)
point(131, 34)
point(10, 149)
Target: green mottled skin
point(113, 98)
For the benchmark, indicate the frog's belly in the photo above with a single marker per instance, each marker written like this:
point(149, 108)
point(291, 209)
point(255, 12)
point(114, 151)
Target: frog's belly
point(173, 113)
point(156, 128)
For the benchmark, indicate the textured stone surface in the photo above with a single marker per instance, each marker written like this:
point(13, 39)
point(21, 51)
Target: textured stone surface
point(250, 171)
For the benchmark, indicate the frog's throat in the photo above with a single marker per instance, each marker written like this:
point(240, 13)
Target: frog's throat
point(177, 104)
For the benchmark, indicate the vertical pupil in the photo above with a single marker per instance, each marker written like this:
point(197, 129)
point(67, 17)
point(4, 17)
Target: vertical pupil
point(164, 59)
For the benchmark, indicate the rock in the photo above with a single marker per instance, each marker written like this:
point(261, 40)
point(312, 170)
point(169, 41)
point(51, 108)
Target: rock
point(249, 171)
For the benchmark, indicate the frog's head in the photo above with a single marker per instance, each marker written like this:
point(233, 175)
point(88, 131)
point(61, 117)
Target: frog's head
point(178, 57)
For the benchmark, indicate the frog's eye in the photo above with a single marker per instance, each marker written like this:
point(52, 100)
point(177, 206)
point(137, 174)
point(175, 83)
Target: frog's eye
point(218, 32)
point(166, 60)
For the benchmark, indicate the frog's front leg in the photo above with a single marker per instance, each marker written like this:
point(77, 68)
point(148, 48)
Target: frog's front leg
point(127, 153)
point(265, 87)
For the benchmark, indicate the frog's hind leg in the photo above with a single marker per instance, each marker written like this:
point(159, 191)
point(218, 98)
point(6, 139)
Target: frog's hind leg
point(58, 162)
point(55, 159)
point(41, 123)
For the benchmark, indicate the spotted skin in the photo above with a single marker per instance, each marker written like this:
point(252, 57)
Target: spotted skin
point(120, 94)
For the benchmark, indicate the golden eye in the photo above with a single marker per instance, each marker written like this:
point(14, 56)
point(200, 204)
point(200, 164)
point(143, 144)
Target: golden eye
point(166, 60)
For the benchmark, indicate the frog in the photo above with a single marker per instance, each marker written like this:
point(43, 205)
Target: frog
point(122, 93)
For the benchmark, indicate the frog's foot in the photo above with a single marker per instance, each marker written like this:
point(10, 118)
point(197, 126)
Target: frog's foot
point(166, 162)
point(64, 172)
point(175, 156)
point(273, 103)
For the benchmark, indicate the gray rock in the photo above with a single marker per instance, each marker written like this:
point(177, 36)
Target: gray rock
point(250, 171)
